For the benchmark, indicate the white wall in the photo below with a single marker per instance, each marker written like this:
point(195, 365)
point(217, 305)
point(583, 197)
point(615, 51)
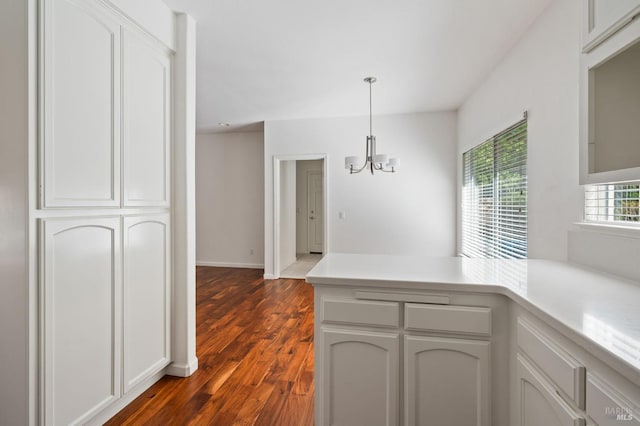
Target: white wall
point(540, 75)
point(302, 214)
point(14, 137)
point(287, 213)
point(409, 212)
point(229, 199)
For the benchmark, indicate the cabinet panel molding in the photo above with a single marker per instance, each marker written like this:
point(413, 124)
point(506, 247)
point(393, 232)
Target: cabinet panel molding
point(447, 381)
point(146, 81)
point(80, 105)
point(146, 297)
point(80, 290)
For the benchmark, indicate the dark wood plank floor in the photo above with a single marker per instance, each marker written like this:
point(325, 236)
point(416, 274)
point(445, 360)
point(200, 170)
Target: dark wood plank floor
point(255, 353)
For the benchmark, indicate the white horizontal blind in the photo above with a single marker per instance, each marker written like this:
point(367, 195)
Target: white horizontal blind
point(494, 196)
point(615, 202)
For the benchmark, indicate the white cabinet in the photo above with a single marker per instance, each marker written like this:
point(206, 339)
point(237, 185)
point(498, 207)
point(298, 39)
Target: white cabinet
point(446, 381)
point(602, 18)
point(106, 284)
point(146, 297)
point(538, 402)
point(360, 378)
point(80, 290)
point(365, 347)
point(80, 99)
point(610, 92)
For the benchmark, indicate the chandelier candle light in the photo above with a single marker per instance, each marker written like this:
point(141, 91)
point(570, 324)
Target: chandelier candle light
point(373, 161)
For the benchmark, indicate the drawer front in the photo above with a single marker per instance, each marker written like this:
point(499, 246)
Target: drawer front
point(449, 319)
point(607, 406)
point(360, 312)
point(567, 373)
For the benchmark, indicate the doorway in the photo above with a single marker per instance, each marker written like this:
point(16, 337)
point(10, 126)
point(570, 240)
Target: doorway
point(300, 201)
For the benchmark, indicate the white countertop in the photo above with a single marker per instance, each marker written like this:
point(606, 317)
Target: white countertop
point(601, 310)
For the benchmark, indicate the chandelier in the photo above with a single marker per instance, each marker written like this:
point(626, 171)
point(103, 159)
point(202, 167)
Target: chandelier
point(373, 161)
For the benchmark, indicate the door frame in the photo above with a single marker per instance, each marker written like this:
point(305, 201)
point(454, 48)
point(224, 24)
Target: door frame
point(277, 159)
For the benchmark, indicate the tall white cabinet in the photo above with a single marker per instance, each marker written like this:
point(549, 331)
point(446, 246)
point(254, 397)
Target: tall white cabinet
point(104, 210)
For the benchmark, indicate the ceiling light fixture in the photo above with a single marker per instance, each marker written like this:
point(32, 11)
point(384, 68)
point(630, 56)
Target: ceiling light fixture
point(224, 124)
point(373, 161)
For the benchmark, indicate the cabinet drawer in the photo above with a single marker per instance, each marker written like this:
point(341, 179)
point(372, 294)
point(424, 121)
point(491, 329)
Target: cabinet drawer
point(362, 312)
point(451, 319)
point(608, 407)
point(567, 373)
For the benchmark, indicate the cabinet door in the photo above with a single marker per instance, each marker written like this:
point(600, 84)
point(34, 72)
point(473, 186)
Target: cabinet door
point(80, 98)
point(146, 297)
point(446, 381)
point(146, 117)
point(538, 402)
point(359, 372)
point(601, 18)
point(80, 327)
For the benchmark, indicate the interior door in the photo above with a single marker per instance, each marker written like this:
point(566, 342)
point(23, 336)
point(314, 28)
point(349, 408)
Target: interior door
point(315, 224)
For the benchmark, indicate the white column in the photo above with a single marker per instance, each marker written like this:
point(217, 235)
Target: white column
point(184, 206)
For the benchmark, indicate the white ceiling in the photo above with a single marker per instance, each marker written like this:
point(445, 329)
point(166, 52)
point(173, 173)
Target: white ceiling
point(281, 59)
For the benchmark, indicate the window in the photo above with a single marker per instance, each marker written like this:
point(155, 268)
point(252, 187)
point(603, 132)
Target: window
point(494, 196)
point(616, 202)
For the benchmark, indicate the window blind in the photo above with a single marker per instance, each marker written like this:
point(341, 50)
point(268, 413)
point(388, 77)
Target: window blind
point(616, 202)
point(494, 196)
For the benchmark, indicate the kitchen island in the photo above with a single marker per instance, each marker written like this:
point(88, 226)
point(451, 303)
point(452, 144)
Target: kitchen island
point(415, 340)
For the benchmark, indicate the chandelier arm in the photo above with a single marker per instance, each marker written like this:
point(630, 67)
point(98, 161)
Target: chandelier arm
point(360, 169)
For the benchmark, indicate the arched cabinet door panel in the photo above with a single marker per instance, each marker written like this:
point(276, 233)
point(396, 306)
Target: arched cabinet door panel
point(80, 105)
point(80, 289)
point(146, 297)
point(446, 381)
point(146, 82)
point(360, 374)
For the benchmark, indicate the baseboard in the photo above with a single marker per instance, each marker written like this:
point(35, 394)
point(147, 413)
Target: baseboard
point(113, 409)
point(182, 370)
point(270, 277)
point(230, 264)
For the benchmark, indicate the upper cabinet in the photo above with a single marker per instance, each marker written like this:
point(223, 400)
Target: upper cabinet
point(610, 99)
point(146, 117)
point(80, 98)
point(602, 18)
point(106, 110)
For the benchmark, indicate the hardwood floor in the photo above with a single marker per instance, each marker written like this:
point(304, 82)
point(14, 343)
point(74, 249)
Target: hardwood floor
point(255, 353)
